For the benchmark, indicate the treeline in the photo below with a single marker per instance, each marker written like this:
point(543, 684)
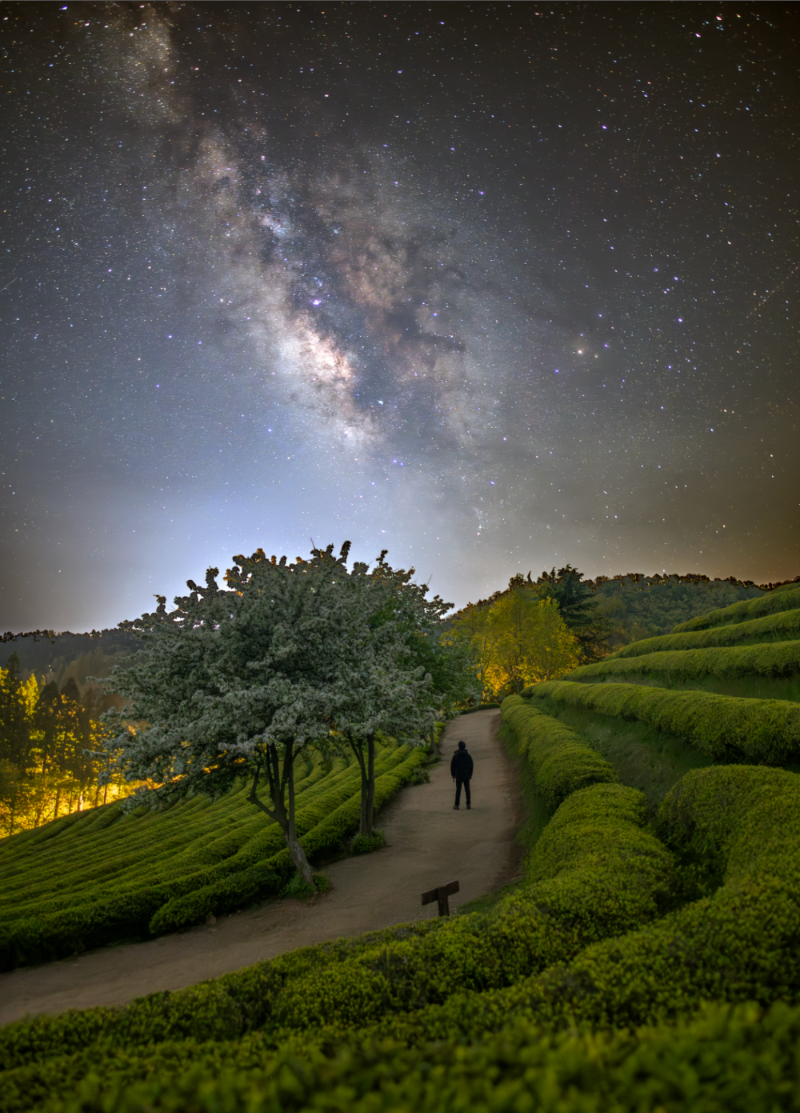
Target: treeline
point(46, 730)
point(609, 612)
point(57, 656)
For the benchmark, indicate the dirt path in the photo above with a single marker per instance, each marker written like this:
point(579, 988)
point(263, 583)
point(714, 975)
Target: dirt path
point(429, 844)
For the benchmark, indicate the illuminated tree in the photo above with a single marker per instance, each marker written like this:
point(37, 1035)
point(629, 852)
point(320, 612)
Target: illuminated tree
point(517, 639)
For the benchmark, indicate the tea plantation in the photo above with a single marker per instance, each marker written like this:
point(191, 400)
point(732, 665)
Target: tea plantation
point(647, 961)
point(96, 877)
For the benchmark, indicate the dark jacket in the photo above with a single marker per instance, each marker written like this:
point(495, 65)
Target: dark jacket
point(461, 766)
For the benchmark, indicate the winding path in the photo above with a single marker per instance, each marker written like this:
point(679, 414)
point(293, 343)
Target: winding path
point(429, 844)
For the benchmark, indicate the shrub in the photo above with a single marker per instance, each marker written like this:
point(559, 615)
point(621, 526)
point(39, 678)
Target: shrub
point(723, 727)
point(171, 895)
point(738, 944)
point(784, 626)
point(560, 758)
point(596, 871)
point(722, 1060)
point(772, 659)
point(363, 844)
point(739, 612)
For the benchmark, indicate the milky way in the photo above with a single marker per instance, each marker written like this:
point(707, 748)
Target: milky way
point(494, 287)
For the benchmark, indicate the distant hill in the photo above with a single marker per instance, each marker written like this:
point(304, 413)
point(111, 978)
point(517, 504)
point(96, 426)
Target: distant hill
point(64, 655)
point(632, 606)
point(635, 606)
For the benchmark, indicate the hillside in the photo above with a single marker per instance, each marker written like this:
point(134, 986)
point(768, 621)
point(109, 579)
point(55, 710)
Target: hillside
point(60, 656)
point(647, 960)
point(93, 878)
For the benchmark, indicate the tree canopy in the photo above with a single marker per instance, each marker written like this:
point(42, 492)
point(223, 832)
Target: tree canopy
point(235, 682)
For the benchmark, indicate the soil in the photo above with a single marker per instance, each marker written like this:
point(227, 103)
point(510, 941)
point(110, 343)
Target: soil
point(429, 844)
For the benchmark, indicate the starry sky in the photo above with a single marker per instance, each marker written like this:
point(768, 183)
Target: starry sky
point(492, 286)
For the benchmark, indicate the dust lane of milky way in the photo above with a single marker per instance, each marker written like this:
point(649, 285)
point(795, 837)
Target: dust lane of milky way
point(493, 287)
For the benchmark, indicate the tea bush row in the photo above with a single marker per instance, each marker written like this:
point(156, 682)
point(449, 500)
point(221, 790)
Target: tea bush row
point(773, 659)
point(95, 917)
point(722, 1060)
point(726, 728)
point(595, 872)
point(784, 626)
point(561, 760)
point(735, 945)
point(194, 827)
point(771, 603)
point(250, 842)
point(533, 1045)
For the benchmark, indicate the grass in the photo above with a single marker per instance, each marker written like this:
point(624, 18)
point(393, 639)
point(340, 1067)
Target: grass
point(643, 757)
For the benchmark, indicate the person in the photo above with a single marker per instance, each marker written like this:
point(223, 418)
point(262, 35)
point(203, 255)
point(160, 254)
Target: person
point(461, 767)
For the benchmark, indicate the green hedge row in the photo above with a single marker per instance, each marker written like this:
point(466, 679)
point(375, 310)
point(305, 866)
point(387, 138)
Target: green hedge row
point(153, 906)
point(739, 944)
point(595, 872)
point(784, 626)
point(260, 839)
point(109, 852)
point(230, 891)
point(187, 840)
point(772, 603)
point(766, 731)
point(561, 760)
point(723, 1060)
point(771, 659)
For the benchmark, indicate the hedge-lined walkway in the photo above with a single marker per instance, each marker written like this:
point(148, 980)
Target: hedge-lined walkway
point(429, 844)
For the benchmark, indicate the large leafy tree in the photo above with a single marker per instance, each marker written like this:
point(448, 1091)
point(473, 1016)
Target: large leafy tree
point(578, 608)
point(516, 639)
point(403, 675)
point(237, 682)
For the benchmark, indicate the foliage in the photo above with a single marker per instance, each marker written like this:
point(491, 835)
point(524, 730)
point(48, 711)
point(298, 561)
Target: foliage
point(772, 603)
point(518, 639)
point(580, 888)
point(785, 625)
point(365, 844)
point(236, 683)
point(634, 607)
point(722, 1060)
point(627, 607)
point(772, 659)
point(59, 656)
point(560, 759)
point(723, 727)
point(586, 989)
point(45, 733)
point(645, 758)
point(91, 879)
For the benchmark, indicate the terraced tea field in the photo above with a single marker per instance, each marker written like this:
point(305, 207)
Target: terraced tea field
point(647, 960)
point(100, 876)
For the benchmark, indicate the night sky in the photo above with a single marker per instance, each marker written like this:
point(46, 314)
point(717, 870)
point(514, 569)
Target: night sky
point(492, 286)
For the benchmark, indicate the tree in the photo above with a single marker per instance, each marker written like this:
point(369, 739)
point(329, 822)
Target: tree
point(403, 675)
point(518, 639)
point(235, 683)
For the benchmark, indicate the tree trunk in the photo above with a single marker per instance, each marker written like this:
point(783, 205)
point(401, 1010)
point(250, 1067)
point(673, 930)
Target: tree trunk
point(370, 783)
point(364, 826)
point(295, 849)
point(281, 782)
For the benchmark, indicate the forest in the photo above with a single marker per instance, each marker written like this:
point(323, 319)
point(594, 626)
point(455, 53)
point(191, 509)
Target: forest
point(51, 741)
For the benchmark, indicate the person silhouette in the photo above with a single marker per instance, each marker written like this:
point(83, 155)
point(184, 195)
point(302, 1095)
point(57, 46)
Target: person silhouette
point(461, 768)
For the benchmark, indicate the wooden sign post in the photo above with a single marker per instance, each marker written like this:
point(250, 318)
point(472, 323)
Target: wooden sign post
point(441, 894)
